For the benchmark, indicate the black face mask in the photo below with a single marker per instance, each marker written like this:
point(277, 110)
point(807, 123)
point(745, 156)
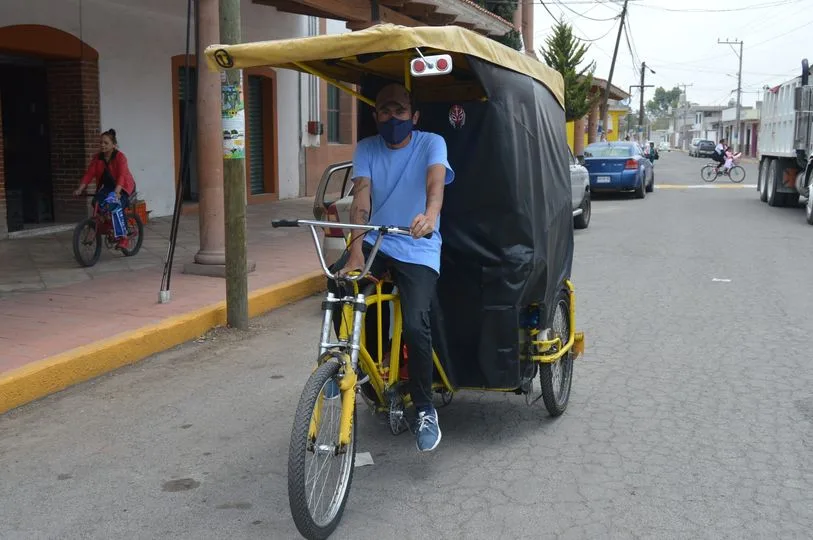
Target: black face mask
point(395, 131)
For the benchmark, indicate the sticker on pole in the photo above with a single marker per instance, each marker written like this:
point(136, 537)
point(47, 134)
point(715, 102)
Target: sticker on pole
point(233, 118)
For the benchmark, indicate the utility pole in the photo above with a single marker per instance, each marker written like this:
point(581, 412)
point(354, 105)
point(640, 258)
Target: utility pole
point(234, 174)
point(603, 108)
point(641, 111)
point(640, 87)
point(685, 110)
point(739, 89)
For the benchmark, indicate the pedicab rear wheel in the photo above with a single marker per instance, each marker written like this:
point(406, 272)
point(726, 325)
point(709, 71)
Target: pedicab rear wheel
point(556, 378)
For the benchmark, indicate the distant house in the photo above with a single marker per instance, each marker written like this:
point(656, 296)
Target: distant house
point(586, 130)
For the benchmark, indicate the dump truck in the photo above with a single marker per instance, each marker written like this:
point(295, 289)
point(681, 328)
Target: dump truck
point(785, 144)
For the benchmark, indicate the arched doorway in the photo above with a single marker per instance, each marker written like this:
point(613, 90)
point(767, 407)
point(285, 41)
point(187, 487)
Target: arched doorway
point(49, 105)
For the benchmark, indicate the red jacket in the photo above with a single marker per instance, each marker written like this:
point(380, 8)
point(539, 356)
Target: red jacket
point(118, 169)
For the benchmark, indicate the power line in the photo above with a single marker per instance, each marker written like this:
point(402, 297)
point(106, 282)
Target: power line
point(585, 16)
point(724, 10)
point(580, 38)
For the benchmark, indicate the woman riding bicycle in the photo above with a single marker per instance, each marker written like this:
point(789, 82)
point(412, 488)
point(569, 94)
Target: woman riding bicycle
point(109, 168)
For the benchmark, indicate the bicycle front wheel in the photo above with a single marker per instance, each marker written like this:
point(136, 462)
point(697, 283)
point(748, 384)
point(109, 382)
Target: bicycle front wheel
point(319, 472)
point(87, 246)
point(708, 174)
point(736, 174)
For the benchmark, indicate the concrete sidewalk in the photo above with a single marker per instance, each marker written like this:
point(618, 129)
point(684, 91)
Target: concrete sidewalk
point(61, 324)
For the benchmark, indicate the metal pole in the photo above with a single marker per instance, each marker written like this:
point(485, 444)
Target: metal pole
point(603, 108)
point(234, 174)
point(739, 91)
point(739, 97)
point(641, 110)
point(685, 109)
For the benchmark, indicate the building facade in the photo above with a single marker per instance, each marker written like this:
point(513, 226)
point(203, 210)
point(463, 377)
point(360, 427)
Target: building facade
point(71, 69)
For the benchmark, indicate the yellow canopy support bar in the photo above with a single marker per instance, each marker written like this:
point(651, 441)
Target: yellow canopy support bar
point(335, 83)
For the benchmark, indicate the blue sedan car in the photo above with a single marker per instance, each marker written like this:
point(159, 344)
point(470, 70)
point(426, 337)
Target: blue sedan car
point(619, 166)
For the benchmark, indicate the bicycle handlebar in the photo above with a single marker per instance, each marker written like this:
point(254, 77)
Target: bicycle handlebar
point(383, 230)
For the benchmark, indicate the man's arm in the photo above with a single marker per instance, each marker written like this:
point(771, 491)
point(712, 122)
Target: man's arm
point(435, 182)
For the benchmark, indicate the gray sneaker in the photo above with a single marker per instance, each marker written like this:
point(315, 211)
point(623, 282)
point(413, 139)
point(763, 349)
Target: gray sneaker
point(427, 436)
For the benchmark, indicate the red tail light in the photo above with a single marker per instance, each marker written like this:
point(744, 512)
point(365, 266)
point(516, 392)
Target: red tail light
point(631, 164)
point(333, 215)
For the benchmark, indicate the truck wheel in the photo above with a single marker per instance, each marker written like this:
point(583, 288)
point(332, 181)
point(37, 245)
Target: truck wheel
point(774, 197)
point(762, 182)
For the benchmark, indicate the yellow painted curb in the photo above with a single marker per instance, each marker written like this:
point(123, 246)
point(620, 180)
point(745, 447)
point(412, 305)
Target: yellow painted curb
point(45, 377)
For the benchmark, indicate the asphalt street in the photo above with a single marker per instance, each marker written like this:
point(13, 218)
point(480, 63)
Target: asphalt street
point(691, 414)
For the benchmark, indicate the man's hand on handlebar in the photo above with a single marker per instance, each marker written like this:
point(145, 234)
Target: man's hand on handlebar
point(355, 263)
point(422, 225)
point(78, 192)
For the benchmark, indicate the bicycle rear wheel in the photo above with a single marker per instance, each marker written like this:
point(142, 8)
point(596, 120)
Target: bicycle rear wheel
point(736, 174)
point(135, 235)
point(319, 477)
point(708, 174)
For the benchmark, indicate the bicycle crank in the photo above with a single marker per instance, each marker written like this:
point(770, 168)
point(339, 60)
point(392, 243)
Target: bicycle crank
point(395, 415)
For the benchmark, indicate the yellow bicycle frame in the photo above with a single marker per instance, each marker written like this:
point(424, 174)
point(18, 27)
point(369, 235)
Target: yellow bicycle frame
point(382, 377)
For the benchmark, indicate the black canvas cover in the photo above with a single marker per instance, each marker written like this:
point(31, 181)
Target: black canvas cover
point(506, 222)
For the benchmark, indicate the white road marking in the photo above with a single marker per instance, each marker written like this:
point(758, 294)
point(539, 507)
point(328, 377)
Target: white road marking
point(363, 459)
point(705, 186)
point(721, 280)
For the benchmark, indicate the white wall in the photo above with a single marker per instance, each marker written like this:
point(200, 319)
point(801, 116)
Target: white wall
point(136, 40)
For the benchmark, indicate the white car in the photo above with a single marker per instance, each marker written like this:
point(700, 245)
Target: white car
point(334, 197)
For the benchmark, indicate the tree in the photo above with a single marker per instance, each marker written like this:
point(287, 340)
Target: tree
point(506, 10)
point(564, 52)
point(660, 103)
point(732, 102)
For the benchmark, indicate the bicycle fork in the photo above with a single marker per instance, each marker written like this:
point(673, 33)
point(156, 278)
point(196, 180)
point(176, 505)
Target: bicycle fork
point(353, 308)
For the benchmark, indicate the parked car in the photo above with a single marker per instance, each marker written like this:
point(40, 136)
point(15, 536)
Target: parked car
point(693, 146)
point(619, 166)
point(334, 196)
point(580, 190)
point(705, 148)
point(664, 147)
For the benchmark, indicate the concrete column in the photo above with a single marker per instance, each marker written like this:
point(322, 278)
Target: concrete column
point(210, 146)
point(592, 124)
point(578, 137)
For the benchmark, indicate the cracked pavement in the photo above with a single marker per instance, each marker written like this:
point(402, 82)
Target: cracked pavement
point(691, 414)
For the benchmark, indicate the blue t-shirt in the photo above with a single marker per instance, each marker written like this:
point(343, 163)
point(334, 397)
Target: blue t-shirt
point(398, 183)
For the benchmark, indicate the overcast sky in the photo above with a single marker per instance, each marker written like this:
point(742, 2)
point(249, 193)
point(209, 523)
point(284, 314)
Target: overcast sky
point(678, 40)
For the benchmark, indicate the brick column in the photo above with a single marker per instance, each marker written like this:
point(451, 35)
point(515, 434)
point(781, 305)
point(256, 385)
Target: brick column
point(592, 125)
point(73, 114)
point(3, 219)
point(578, 137)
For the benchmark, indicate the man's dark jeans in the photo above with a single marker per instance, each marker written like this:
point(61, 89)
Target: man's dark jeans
point(416, 285)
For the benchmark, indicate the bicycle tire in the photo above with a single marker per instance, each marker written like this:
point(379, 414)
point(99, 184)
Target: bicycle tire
point(127, 252)
point(77, 240)
point(736, 172)
point(708, 174)
point(297, 457)
point(557, 404)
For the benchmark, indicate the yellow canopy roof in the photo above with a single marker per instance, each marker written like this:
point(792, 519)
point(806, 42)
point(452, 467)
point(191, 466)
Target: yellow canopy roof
point(342, 56)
